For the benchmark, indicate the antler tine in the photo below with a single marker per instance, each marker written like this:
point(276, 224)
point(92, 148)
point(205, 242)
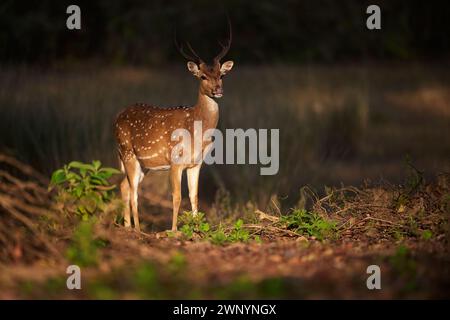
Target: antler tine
point(193, 52)
point(194, 58)
point(225, 48)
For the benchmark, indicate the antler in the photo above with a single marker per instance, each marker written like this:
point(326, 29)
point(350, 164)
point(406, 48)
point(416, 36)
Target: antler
point(194, 57)
point(225, 48)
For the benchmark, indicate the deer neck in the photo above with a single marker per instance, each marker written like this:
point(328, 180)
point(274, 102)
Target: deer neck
point(207, 110)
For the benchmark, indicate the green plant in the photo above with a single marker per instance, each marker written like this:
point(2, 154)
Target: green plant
point(218, 236)
point(238, 233)
point(402, 261)
point(235, 233)
point(177, 262)
point(196, 226)
point(404, 264)
point(99, 290)
point(427, 234)
point(83, 249)
point(308, 223)
point(146, 281)
point(83, 188)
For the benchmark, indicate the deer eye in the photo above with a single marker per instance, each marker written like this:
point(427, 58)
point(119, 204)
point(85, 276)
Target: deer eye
point(203, 77)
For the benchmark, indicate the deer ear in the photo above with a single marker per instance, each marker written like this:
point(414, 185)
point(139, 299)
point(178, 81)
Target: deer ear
point(226, 67)
point(193, 68)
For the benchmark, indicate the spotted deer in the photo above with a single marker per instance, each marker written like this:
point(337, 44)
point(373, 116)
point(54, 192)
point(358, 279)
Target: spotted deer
point(144, 134)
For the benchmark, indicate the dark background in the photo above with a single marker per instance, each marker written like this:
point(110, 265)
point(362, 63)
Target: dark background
point(134, 32)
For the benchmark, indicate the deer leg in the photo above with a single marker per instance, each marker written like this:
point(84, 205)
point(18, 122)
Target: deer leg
point(134, 174)
point(193, 175)
point(125, 190)
point(175, 180)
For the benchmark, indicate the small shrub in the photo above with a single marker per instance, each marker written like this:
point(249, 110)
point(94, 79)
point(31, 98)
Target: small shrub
point(218, 237)
point(83, 188)
point(83, 249)
point(197, 227)
point(238, 234)
point(194, 225)
point(308, 223)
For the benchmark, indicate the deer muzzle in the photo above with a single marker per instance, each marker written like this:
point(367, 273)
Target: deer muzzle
point(218, 92)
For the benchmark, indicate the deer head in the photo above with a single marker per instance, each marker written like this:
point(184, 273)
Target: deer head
point(209, 75)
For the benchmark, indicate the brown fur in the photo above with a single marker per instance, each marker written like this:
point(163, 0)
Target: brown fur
point(143, 135)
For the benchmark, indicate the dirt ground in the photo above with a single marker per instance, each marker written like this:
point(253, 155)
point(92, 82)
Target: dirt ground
point(402, 229)
point(278, 268)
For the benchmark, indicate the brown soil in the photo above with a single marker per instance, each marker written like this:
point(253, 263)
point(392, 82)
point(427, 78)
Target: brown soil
point(402, 229)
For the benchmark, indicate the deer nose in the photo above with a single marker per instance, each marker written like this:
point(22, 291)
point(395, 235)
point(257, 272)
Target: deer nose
point(217, 92)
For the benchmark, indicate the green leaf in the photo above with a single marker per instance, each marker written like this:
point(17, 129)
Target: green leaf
point(80, 165)
point(187, 231)
point(73, 176)
point(97, 164)
point(78, 191)
point(239, 223)
point(204, 227)
point(110, 170)
point(58, 177)
point(99, 181)
point(103, 175)
point(218, 237)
